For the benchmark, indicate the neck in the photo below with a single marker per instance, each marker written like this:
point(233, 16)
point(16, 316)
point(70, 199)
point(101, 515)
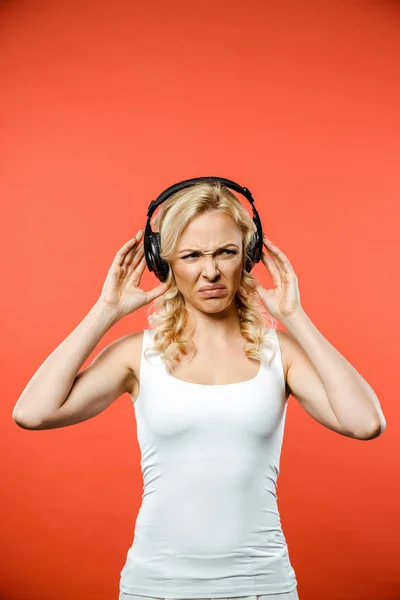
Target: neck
point(222, 326)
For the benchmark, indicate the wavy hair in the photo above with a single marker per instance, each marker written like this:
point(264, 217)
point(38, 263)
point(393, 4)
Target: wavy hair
point(167, 315)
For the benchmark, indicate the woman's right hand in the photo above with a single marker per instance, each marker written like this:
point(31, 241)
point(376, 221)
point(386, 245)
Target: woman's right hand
point(121, 289)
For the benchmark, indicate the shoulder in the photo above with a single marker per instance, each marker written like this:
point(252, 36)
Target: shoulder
point(290, 348)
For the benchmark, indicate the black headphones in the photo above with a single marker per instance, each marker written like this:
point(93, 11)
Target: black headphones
point(151, 240)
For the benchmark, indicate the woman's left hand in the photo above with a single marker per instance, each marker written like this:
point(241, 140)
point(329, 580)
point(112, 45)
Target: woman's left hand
point(283, 300)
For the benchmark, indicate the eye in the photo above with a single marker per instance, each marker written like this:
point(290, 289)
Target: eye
point(189, 255)
point(221, 251)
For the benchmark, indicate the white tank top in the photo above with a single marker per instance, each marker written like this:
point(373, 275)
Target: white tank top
point(209, 525)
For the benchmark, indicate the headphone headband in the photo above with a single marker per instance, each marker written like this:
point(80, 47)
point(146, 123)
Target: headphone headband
point(151, 241)
point(189, 182)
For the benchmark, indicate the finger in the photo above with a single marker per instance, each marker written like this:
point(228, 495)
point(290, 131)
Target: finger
point(122, 252)
point(273, 269)
point(272, 247)
point(277, 264)
point(128, 257)
point(119, 257)
point(138, 272)
point(133, 258)
point(275, 250)
point(156, 292)
point(282, 259)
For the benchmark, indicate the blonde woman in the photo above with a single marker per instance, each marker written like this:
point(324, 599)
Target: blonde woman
point(210, 380)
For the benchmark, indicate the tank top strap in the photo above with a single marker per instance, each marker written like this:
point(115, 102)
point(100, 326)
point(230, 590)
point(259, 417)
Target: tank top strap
point(272, 337)
point(153, 361)
point(277, 360)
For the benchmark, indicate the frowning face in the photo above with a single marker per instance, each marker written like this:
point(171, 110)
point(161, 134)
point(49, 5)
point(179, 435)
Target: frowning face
point(209, 253)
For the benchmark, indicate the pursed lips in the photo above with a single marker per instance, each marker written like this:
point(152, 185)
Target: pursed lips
point(219, 286)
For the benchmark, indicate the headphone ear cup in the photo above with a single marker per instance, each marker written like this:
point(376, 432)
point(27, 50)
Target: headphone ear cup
point(148, 246)
point(251, 253)
point(161, 267)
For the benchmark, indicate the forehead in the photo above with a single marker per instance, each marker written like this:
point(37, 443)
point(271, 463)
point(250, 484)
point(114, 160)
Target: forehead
point(209, 230)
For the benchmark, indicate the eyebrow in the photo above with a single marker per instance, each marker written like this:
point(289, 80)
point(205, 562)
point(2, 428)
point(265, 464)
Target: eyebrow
point(220, 248)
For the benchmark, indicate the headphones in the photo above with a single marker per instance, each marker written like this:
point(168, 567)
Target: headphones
point(151, 240)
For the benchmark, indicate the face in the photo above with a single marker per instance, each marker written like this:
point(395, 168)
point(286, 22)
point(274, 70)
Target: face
point(209, 253)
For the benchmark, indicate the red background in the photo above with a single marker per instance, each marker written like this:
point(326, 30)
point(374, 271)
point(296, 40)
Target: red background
point(103, 105)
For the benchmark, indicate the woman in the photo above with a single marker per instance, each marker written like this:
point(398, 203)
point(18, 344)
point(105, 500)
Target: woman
point(214, 383)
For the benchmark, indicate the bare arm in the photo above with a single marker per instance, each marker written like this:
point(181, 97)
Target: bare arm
point(48, 389)
point(58, 395)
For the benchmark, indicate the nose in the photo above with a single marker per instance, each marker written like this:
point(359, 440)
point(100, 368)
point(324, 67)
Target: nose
point(210, 267)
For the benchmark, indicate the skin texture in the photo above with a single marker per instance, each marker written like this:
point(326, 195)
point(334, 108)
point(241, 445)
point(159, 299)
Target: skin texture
point(200, 261)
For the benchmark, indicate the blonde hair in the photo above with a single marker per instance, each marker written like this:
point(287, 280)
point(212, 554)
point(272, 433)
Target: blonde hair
point(167, 314)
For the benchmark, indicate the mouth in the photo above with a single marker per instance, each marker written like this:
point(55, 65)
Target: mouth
point(211, 291)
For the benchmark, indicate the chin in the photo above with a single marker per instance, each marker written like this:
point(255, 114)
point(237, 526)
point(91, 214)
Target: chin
point(214, 305)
